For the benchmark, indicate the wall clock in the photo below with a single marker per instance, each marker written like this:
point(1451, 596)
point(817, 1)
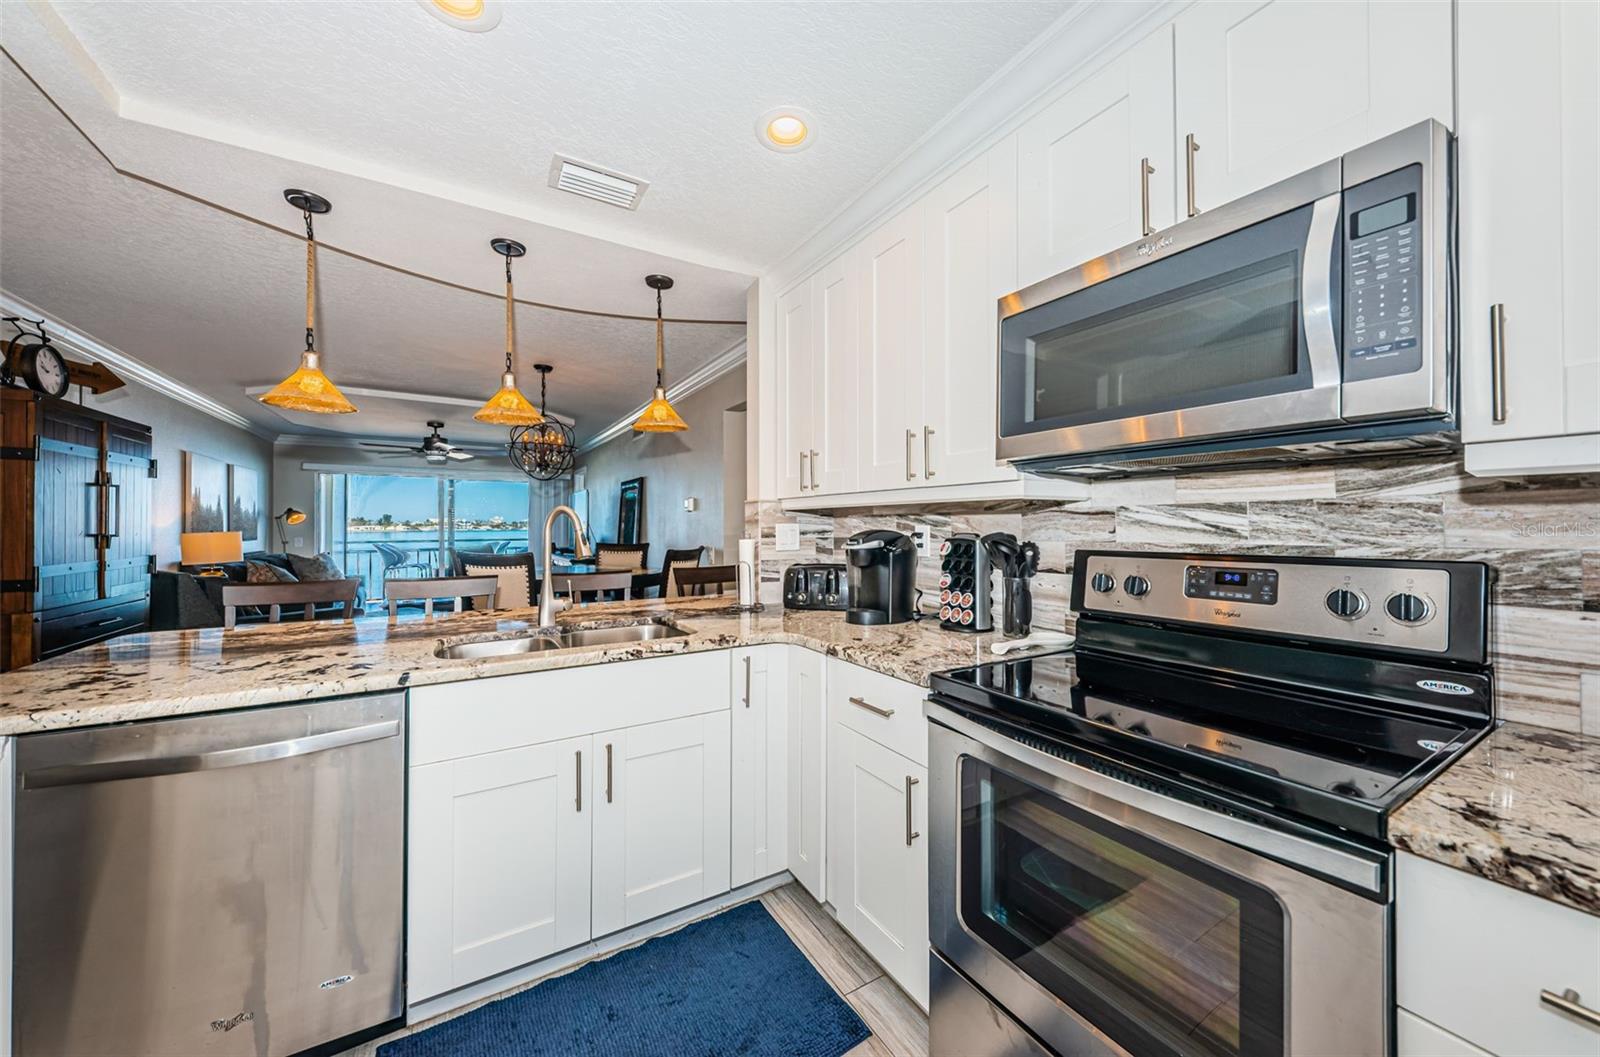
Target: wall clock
point(41, 367)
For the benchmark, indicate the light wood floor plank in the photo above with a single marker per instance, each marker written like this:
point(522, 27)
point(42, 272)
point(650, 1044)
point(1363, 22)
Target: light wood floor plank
point(839, 959)
point(896, 1021)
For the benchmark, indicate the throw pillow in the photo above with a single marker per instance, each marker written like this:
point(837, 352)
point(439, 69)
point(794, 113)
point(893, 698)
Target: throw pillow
point(318, 567)
point(266, 573)
point(618, 560)
point(513, 592)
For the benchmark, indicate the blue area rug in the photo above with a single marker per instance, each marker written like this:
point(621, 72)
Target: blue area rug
point(734, 984)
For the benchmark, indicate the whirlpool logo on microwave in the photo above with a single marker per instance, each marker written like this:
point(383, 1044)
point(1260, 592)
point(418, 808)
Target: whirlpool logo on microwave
point(1154, 245)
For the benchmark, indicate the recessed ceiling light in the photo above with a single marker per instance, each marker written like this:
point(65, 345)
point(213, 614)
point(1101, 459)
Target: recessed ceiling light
point(474, 16)
point(785, 129)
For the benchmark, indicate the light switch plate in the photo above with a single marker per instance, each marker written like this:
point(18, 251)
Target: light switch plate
point(922, 536)
point(788, 536)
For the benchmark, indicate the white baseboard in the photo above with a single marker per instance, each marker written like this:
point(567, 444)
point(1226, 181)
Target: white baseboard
point(588, 952)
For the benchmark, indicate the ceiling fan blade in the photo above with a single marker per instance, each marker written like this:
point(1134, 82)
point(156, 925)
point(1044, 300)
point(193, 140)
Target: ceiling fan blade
point(396, 447)
point(459, 455)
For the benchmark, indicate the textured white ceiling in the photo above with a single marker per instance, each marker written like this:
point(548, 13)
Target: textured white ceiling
point(217, 301)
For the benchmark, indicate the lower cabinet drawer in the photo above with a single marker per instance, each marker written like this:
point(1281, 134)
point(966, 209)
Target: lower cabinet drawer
point(1416, 1037)
point(883, 708)
point(59, 634)
point(1473, 957)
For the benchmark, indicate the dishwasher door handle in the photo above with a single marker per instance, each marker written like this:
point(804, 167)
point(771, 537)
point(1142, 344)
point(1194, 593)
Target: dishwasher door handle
point(153, 767)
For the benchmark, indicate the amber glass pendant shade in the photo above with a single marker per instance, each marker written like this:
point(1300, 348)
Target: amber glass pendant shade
point(308, 389)
point(659, 416)
point(508, 407)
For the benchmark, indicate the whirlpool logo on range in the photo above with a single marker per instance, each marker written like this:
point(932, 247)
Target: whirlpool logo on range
point(1226, 613)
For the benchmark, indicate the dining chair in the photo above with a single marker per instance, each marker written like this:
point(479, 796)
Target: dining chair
point(397, 560)
point(307, 593)
point(693, 580)
point(675, 559)
point(577, 584)
point(481, 589)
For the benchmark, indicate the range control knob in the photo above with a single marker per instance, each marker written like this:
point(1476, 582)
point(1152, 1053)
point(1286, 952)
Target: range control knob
point(1137, 586)
point(1408, 608)
point(1103, 582)
point(1346, 603)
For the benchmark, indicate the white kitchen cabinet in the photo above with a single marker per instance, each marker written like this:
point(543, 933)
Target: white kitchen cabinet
point(499, 862)
point(1415, 1037)
point(1269, 88)
point(795, 355)
point(1097, 167)
point(1483, 984)
point(759, 721)
point(889, 314)
point(969, 262)
point(878, 854)
point(807, 748)
point(836, 379)
point(661, 818)
point(1529, 151)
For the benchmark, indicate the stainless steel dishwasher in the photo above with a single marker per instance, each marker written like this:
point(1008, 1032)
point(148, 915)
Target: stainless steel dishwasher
point(223, 884)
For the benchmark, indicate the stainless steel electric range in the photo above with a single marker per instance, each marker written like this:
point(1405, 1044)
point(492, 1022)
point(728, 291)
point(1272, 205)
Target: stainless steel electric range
point(1171, 840)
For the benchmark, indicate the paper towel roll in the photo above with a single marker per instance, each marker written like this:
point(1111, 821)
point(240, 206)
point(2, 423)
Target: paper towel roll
point(747, 572)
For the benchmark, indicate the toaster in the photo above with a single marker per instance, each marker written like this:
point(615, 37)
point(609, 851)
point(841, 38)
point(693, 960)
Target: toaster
point(816, 587)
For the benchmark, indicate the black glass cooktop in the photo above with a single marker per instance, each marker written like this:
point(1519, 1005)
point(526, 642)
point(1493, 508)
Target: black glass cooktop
point(1334, 759)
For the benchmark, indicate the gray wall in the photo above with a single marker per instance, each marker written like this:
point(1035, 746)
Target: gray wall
point(674, 466)
point(179, 428)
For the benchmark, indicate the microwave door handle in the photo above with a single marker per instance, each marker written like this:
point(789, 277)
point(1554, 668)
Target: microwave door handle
point(1316, 296)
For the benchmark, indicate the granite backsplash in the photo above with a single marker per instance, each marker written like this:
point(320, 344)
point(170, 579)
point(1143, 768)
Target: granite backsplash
point(1541, 534)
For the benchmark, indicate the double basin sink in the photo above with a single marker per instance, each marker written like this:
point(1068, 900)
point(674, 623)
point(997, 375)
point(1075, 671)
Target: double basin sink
point(545, 641)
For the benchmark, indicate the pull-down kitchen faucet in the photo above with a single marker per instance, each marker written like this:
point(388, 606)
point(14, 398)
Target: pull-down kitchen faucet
point(549, 605)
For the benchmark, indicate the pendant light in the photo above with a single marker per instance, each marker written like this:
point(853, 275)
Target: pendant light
point(658, 415)
point(509, 407)
point(548, 450)
point(308, 389)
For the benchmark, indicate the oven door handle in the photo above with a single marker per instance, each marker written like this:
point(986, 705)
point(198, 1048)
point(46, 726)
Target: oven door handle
point(1368, 874)
point(1316, 294)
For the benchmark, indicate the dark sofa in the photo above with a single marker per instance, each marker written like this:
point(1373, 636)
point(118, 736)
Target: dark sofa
point(180, 599)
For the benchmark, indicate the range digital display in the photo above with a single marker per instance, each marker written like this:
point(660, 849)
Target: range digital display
point(1230, 576)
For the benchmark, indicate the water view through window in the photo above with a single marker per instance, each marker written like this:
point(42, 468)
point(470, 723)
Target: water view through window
point(389, 526)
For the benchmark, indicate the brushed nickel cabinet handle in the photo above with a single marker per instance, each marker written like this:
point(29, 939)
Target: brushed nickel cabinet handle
point(1497, 361)
point(1145, 171)
point(608, 774)
point(578, 798)
point(1568, 1002)
point(814, 456)
point(870, 707)
point(927, 451)
point(1191, 147)
point(911, 834)
point(747, 681)
point(802, 471)
point(911, 438)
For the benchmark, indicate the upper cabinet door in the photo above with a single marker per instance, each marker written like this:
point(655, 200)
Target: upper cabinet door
point(1527, 151)
point(1091, 160)
point(836, 379)
point(889, 261)
point(661, 826)
point(969, 263)
point(794, 356)
point(1270, 88)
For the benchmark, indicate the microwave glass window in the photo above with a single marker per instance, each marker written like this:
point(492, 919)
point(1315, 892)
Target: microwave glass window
point(1164, 954)
point(1236, 330)
point(1383, 215)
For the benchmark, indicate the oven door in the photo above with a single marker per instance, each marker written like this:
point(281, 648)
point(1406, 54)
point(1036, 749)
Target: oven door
point(1100, 915)
point(1223, 325)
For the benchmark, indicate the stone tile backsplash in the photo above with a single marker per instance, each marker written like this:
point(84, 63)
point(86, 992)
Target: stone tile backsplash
point(1542, 536)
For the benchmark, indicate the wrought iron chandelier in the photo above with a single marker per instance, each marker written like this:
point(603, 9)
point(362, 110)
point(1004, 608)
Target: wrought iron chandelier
point(547, 450)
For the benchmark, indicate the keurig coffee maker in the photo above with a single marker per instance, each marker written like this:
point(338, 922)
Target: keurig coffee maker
point(883, 576)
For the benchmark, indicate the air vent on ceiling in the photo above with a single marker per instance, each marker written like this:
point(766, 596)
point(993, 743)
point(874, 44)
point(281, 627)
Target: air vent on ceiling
point(580, 178)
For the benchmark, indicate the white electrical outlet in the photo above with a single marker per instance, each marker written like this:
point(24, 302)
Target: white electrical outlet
point(691, 504)
point(788, 536)
point(297, 542)
point(922, 536)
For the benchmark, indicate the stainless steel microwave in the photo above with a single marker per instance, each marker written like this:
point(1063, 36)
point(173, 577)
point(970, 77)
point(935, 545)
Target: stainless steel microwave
point(1309, 320)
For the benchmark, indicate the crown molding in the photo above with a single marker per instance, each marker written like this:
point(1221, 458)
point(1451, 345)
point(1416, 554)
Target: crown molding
point(728, 360)
point(71, 339)
point(1071, 48)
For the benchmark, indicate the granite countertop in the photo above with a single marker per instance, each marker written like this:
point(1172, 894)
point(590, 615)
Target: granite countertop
point(1522, 809)
point(176, 673)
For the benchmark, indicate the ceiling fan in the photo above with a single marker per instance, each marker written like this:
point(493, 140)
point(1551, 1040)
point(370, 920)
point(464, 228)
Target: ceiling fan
point(434, 448)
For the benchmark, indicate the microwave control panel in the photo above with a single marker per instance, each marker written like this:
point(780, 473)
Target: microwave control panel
point(1383, 283)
